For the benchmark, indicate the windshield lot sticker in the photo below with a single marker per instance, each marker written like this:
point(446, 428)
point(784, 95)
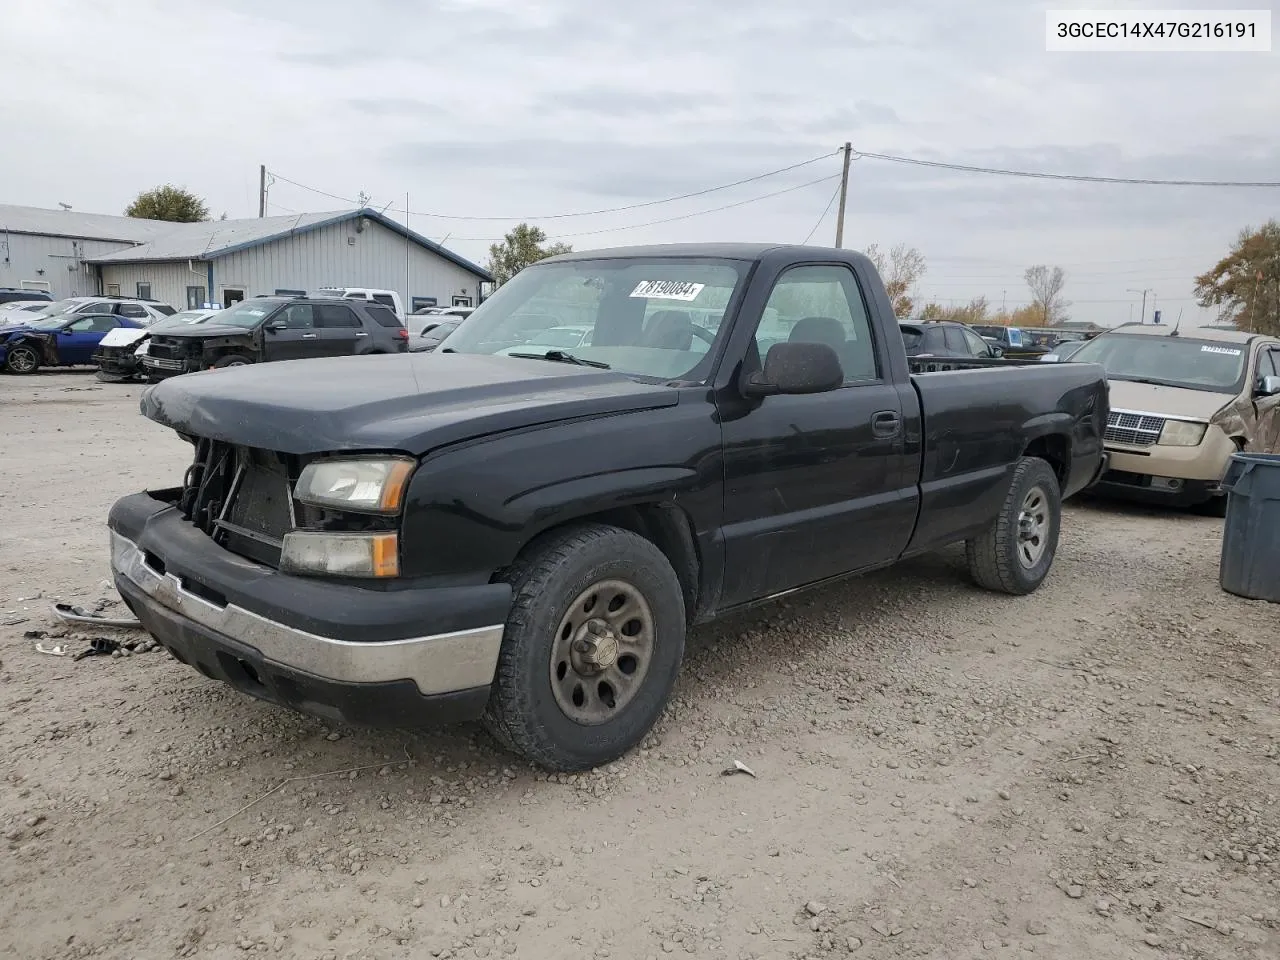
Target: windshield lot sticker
point(668, 290)
point(1226, 350)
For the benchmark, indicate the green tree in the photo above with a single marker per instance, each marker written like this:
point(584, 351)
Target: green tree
point(176, 204)
point(975, 311)
point(522, 246)
point(1245, 284)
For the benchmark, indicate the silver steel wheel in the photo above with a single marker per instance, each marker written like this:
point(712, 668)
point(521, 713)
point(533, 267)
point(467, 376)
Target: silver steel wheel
point(23, 360)
point(601, 652)
point(1034, 524)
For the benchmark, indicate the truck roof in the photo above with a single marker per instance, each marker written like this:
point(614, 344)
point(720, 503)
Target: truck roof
point(719, 250)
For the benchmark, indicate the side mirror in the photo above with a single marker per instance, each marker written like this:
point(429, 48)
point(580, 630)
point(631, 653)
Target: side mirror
point(795, 368)
point(996, 351)
point(1269, 386)
point(275, 325)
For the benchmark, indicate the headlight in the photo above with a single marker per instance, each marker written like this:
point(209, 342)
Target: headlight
point(1180, 433)
point(341, 554)
point(364, 486)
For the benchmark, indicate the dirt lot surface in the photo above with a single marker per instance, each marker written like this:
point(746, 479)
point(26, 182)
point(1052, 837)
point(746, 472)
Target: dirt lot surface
point(1091, 772)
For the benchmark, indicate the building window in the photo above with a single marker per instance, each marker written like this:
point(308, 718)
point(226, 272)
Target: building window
point(144, 291)
point(195, 298)
point(462, 301)
point(113, 289)
point(421, 302)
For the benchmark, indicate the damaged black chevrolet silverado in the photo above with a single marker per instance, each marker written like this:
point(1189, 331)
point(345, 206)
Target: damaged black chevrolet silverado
point(524, 533)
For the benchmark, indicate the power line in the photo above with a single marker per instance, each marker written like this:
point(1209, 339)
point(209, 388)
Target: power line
point(1040, 175)
point(827, 209)
point(683, 216)
point(582, 213)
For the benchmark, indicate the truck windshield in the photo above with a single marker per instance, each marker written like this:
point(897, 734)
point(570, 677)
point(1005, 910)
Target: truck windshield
point(246, 313)
point(1211, 365)
point(651, 317)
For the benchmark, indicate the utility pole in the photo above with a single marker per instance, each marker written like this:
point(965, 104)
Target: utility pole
point(1143, 317)
point(262, 190)
point(844, 194)
point(1004, 298)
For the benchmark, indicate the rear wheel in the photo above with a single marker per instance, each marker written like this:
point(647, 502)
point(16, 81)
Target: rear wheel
point(23, 358)
point(591, 648)
point(1015, 553)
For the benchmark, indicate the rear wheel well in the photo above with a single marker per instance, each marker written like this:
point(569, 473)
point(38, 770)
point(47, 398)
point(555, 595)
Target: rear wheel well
point(665, 526)
point(1054, 450)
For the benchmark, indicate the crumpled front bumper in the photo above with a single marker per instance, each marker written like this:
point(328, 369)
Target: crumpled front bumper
point(402, 658)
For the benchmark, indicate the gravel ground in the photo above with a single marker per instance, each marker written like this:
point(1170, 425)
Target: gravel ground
point(1090, 772)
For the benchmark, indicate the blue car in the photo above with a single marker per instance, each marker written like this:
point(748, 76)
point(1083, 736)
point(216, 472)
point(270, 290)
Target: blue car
point(59, 341)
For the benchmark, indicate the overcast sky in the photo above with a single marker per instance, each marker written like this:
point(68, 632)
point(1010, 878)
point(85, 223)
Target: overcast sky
point(499, 108)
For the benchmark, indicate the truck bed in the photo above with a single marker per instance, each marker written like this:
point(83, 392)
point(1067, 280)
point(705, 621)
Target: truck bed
point(977, 416)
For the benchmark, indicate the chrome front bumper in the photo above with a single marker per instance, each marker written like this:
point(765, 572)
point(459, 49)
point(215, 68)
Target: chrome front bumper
point(436, 663)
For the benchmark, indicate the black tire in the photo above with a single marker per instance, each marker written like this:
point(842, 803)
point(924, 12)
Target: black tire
point(552, 574)
point(231, 360)
point(997, 560)
point(27, 359)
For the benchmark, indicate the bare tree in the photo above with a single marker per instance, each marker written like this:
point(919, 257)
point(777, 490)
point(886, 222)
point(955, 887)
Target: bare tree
point(1046, 285)
point(899, 271)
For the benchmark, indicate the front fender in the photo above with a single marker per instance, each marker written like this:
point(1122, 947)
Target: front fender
point(472, 507)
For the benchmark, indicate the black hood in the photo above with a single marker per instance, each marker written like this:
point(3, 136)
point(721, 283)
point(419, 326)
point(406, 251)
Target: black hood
point(410, 402)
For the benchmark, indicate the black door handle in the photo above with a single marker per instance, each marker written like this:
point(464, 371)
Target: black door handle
point(886, 423)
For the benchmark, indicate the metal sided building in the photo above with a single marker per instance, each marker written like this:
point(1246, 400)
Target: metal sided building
point(53, 250)
point(224, 261)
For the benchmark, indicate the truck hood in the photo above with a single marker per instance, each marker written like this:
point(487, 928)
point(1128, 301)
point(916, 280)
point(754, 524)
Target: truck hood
point(1167, 401)
point(409, 402)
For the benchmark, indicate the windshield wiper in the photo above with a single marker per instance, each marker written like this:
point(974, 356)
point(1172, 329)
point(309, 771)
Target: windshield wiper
point(561, 356)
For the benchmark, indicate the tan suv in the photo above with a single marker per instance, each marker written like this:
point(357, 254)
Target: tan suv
point(1182, 402)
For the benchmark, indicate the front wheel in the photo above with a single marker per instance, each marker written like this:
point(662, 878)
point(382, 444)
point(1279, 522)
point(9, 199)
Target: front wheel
point(23, 359)
point(1015, 553)
point(591, 648)
point(235, 360)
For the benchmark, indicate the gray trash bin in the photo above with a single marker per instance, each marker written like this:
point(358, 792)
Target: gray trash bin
point(1250, 564)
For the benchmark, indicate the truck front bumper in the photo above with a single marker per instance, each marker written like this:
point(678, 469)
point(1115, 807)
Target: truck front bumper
point(397, 658)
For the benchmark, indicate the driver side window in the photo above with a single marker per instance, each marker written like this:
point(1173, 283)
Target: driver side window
point(83, 325)
point(821, 304)
point(299, 316)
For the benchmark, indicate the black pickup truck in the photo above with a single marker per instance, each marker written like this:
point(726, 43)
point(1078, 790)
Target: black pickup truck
point(524, 533)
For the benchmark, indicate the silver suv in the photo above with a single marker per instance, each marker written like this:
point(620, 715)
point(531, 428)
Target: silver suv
point(143, 311)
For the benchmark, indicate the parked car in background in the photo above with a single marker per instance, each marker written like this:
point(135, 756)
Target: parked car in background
point(265, 329)
point(1013, 341)
point(143, 311)
point(420, 321)
point(388, 298)
point(120, 352)
point(1063, 351)
point(18, 295)
point(19, 310)
point(433, 334)
point(1182, 402)
point(529, 537)
point(944, 338)
point(60, 341)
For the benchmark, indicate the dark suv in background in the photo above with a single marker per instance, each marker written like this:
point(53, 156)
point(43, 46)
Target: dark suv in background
point(263, 329)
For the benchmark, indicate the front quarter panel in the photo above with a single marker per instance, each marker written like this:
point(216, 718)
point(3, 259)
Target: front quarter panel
point(472, 506)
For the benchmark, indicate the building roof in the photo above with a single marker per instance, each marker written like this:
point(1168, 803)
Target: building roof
point(82, 226)
point(217, 238)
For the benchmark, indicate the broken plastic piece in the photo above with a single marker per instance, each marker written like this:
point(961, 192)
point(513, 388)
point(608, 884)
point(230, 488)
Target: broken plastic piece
point(55, 651)
point(74, 614)
point(738, 767)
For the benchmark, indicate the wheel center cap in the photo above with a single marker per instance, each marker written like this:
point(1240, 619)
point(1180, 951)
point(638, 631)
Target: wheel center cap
point(600, 647)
